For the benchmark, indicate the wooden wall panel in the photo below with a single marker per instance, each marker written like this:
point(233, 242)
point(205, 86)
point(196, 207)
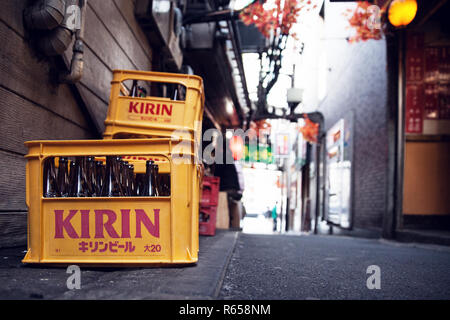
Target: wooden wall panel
point(13, 231)
point(99, 40)
point(114, 40)
point(120, 30)
point(23, 121)
point(97, 77)
point(11, 13)
point(24, 74)
point(97, 107)
point(427, 178)
point(126, 9)
point(12, 187)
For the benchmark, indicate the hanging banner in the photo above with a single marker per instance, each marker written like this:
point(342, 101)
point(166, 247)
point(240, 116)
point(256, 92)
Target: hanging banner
point(415, 57)
point(414, 108)
point(282, 145)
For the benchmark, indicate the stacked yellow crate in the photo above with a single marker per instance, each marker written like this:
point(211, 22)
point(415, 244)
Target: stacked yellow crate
point(130, 229)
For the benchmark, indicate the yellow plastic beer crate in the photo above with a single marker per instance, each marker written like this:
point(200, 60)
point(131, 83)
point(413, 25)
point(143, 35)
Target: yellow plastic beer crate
point(151, 116)
point(131, 230)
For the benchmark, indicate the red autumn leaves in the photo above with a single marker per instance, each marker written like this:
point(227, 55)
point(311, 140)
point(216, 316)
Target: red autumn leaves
point(275, 15)
point(258, 127)
point(310, 130)
point(280, 15)
point(364, 19)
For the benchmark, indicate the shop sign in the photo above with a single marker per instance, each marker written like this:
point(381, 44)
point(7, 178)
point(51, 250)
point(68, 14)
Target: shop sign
point(413, 110)
point(261, 153)
point(282, 144)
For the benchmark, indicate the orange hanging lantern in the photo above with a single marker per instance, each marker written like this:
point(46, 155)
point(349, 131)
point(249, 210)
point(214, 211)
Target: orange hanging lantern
point(402, 12)
point(237, 147)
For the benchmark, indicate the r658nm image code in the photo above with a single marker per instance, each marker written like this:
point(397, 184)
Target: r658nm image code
point(246, 309)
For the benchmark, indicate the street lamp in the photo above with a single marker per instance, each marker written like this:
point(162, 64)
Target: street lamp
point(402, 12)
point(294, 95)
point(294, 98)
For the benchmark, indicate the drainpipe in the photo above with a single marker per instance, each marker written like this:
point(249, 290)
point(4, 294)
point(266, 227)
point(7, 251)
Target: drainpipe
point(45, 15)
point(61, 19)
point(56, 43)
point(77, 63)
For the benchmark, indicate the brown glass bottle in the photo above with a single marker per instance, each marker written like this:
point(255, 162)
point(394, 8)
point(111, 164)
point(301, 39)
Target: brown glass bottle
point(148, 183)
point(131, 184)
point(111, 183)
point(63, 177)
point(99, 176)
point(72, 172)
point(125, 178)
point(79, 184)
point(134, 89)
point(139, 184)
point(91, 177)
point(156, 179)
point(164, 184)
point(50, 184)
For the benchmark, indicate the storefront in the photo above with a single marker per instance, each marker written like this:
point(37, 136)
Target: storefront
point(426, 106)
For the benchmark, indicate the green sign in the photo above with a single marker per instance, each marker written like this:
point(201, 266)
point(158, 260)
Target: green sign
point(258, 153)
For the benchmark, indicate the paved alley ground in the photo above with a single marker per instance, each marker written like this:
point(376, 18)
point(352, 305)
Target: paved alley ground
point(250, 266)
point(333, 267)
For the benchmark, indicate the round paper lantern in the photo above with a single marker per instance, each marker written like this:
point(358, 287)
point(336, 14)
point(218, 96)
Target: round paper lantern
point(402, 12)
point(237, 147)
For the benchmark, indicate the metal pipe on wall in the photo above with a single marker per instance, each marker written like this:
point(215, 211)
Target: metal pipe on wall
point(59, 38)
point(56, 42)
point(62, 19)
point(77, 63)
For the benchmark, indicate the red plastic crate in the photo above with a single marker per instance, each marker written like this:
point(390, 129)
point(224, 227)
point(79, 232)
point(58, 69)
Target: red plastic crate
point(209, 213)
point(210, 191)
